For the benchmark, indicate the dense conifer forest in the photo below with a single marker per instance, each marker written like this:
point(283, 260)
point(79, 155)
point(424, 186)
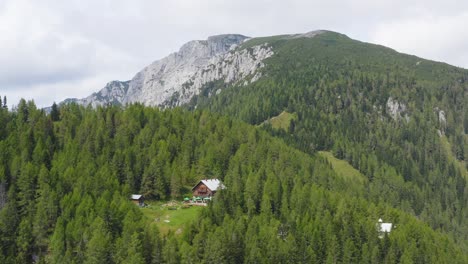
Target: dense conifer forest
point(66, 178)
point(401, 121)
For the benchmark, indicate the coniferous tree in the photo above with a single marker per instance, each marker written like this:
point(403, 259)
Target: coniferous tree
point(54, 113)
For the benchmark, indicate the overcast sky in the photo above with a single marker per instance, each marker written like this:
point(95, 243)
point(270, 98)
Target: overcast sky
point(55, 49)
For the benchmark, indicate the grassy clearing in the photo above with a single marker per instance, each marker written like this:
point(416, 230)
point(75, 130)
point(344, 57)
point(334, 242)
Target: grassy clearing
point(170, 220)
point(343, 168)
point(282, 121)
point(451, 156)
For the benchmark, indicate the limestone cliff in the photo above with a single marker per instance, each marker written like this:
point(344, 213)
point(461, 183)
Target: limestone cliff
point(175, 79)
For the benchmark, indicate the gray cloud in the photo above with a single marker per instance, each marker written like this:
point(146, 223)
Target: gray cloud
point(54, 49)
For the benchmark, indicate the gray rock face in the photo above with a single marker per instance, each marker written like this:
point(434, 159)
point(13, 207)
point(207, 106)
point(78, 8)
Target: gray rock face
point(442, 121)
point(396, 109)
point(182, 74)
point(231, 67)
point(162, 79)
point(175, 79)
point(113, 93)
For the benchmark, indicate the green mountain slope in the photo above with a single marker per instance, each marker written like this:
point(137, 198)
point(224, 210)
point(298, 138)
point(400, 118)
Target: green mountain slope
point(68, 178)
point(343, 168)
point(387, 114)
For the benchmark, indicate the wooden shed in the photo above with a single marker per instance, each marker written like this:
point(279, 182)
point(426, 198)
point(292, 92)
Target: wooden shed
point(138, 199)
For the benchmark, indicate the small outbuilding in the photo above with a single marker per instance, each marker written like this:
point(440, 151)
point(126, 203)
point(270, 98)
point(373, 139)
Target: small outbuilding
point(383, 228)
point(207, 188)
point(138, 199)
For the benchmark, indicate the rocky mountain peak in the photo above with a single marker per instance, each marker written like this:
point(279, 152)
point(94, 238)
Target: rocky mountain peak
point(222, 43)
point(182, 74)
point(213, 46)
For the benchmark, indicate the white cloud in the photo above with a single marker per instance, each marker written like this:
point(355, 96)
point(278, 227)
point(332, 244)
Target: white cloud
point(442, 38)
point(52, 49)
point(44, 94)
point(38, 50)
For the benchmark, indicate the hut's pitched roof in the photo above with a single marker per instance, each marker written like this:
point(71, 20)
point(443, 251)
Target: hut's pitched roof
point(136, 196)
point(212, 184)
point(385, 227)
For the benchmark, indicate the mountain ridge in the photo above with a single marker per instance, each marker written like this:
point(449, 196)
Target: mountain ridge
point(233, 59)
point(176, 78)
point(158, 81)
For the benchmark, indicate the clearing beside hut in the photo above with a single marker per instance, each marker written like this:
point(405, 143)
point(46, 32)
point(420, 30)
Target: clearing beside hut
point(172, 216)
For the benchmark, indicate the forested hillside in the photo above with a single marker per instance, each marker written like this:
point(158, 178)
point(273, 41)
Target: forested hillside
point(402, 121)
point(66, 177)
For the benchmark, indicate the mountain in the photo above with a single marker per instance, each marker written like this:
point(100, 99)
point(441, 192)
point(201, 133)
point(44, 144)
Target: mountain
point(180, 75)
point(400, 120)
point(175, 79)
